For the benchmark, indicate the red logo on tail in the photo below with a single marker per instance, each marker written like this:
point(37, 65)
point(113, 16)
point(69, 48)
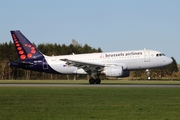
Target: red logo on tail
point(21, 51)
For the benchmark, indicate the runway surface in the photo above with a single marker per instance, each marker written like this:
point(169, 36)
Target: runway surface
point(89, 85)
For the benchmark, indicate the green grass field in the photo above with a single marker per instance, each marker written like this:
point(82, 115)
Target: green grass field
point(89, 103)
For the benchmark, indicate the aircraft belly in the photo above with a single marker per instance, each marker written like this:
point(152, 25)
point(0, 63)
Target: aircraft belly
point(132, 65)
point(63, 69)
point(152, 64)
point(80, 71)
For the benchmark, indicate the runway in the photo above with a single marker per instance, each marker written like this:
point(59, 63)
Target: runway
point(94, 85)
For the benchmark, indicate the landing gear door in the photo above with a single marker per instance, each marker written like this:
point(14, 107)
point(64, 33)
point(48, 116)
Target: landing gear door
point(146, 56)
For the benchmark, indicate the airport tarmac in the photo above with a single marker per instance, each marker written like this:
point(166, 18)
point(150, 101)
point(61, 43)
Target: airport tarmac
point(89, 85)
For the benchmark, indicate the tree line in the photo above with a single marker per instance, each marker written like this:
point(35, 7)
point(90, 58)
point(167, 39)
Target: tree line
point(8, 53)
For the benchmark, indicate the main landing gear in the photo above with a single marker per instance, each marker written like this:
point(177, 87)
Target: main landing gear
point(94, 77)
point(94, 81)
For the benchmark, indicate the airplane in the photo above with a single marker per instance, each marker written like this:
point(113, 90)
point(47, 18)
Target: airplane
point(112, 64)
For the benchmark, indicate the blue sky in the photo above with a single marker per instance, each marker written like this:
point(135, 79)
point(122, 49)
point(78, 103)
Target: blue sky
point(112, 25)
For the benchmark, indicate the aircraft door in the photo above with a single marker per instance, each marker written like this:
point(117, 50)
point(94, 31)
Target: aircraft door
point(44, 64)
point(146, 56)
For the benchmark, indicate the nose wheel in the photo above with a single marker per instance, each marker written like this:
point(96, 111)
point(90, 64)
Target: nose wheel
point(148, 74)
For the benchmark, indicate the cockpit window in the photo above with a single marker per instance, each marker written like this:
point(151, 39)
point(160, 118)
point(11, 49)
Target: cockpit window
point(160, 54)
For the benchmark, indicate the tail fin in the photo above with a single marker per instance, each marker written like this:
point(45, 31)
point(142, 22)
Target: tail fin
point(24, 47)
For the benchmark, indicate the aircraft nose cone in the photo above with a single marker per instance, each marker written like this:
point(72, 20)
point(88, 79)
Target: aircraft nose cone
point(169, 60)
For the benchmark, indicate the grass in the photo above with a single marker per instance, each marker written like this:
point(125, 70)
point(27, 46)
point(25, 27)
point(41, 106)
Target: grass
point(89, 103)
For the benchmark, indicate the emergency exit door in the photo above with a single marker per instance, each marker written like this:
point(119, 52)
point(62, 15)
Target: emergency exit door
point(45, 65)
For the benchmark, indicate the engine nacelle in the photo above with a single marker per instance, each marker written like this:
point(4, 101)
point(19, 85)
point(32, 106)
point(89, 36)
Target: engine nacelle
point(116, 71)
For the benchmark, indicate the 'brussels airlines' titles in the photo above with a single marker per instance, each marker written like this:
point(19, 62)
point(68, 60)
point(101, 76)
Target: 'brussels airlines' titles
point(122, 54)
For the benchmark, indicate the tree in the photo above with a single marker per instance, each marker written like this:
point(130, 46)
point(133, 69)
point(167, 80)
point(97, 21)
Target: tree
point(172, 68)
point(86, 49)
point(137, 74)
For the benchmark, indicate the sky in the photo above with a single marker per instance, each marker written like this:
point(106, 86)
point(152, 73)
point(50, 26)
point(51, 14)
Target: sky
point(112, 25)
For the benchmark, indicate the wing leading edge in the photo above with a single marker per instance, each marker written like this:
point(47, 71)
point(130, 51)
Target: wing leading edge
point(86, 66)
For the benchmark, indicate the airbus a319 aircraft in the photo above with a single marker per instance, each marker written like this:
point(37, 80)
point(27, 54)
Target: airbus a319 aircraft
point(113, 64)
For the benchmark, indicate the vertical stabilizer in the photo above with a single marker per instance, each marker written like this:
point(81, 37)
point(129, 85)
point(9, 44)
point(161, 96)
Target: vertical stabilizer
point(25, 49)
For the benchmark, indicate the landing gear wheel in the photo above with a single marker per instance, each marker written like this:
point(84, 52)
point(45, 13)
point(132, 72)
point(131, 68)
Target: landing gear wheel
point(91, 81)
point(148, 74)
point(98, 81)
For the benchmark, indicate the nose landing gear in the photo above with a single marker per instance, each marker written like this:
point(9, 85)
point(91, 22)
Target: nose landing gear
point(148, 74)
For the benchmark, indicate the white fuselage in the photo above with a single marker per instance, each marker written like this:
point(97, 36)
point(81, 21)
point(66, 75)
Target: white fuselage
point(130, 60)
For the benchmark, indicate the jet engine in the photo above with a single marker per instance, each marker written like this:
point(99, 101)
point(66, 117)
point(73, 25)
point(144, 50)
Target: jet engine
point(116, 71)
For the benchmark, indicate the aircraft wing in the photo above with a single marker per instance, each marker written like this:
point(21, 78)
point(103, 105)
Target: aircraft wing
point(87, 66)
